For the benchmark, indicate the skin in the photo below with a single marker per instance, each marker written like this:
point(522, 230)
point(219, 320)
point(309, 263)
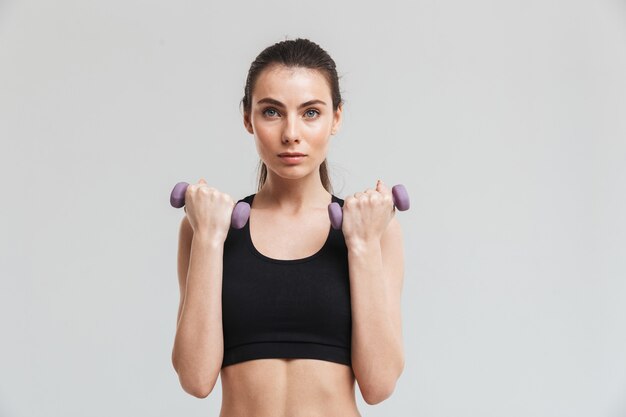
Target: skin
point(292, 189)
point(293, 198)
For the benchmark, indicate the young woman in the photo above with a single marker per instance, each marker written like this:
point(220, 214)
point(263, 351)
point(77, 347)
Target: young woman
point(289, 311)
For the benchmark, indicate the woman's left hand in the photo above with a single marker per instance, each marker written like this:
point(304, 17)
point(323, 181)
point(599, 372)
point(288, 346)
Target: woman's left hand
point(367, 214)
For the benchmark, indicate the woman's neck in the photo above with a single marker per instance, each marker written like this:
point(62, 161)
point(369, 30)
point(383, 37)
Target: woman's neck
point(292, 196)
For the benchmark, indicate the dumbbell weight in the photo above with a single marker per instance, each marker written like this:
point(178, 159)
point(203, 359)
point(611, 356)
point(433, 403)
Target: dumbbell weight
point(400, 200)
point(241, 212)
point(238, 219)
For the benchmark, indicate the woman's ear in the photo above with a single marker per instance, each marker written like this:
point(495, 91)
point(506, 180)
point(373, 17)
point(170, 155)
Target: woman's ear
point(247, 124)
point(337, 118)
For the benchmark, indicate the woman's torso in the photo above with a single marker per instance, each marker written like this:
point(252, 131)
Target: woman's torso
point(288, 387)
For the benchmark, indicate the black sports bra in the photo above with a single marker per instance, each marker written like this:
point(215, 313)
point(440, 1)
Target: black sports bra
point(285, 308)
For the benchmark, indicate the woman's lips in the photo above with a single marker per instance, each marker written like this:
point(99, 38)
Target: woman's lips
point(292, 159)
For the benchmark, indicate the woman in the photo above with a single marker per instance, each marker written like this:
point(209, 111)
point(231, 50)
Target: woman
point(288, 310)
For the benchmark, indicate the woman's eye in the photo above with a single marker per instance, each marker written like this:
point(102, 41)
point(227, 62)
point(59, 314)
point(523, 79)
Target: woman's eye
point(268, 110)
point(271, 112)
point(315, 112)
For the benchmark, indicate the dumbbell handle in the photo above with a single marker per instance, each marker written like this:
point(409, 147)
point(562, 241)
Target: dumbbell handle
point(400, 200)
point(241, 212)
point(238, 219)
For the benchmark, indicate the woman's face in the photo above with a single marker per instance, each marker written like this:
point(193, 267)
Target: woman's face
point(291, 111)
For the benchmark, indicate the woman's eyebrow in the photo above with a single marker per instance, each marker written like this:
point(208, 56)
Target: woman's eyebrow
point(279, 104)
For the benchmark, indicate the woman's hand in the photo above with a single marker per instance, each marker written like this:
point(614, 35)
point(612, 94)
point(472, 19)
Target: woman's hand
point(367, 214)
point(209, 211)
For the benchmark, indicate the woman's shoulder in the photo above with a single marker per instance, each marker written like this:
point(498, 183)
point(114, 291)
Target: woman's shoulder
point(247, 199)
point(338, 199)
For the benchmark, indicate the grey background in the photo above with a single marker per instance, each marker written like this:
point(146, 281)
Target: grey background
point(505, 120)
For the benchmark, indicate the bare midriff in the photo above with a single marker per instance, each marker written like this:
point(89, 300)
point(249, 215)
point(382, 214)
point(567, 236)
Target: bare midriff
point(288, 388)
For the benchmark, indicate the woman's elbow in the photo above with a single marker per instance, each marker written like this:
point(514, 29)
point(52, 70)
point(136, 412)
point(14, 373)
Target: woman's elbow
point(198, 392)
point(197, 389)
point(383, 387)
point(378, 395)
point(196, 386)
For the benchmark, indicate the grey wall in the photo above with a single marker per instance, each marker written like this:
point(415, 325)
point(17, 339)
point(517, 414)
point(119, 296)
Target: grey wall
point(505, 120)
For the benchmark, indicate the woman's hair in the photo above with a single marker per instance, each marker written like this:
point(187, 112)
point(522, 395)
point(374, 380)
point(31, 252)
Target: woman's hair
point(294, 53)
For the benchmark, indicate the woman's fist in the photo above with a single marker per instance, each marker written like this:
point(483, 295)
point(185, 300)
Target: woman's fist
point(209, 210)
point(367, 214)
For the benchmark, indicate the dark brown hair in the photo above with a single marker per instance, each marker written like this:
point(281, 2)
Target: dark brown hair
point(294, 53)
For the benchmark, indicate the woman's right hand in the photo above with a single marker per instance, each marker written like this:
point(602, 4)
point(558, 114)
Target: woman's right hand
point(209, 211)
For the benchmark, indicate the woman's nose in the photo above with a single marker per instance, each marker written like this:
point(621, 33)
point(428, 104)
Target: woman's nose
point(291, 131)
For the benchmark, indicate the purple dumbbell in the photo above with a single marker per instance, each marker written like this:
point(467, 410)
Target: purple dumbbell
point(240, 215)
point(400, 200)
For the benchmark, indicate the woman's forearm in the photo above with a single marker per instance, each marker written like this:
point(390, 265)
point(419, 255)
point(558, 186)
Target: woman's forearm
point(199, 346)
point(376, 347)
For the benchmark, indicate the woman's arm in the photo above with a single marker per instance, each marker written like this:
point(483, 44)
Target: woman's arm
point(199, 346)
point(376, 274)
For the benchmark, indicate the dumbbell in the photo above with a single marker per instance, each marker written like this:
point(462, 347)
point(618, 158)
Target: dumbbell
point(238, 219)
point(400, 200)
point(241, 212)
